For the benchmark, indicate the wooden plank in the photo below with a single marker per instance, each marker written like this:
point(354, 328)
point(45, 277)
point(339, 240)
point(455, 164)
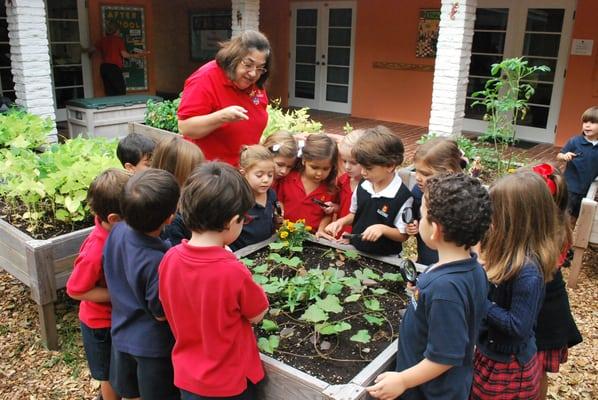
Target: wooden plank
point(283, 381)
point(47, 325)
point(13, 261)
point(380, 364)
point(68, 244)
point(41, 271)
point(583, 226)
point(155, 134)
point(350, 391)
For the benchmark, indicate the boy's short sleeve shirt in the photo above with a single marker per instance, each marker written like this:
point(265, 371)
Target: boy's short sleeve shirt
point(131, 262)
point(583, 168)
point(88, 274)
point(208, 90)
point(299, 205)
point(441, 324)
point(208, 298)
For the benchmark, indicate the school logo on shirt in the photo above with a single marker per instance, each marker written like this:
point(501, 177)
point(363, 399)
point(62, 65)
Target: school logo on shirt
point(256, 95)
point(383, 211)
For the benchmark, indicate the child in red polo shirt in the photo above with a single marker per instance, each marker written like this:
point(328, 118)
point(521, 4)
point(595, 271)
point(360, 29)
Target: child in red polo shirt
point(87, 282)
point(310, 193)
point(347, 182)
point(283, 147)
point(209, 297)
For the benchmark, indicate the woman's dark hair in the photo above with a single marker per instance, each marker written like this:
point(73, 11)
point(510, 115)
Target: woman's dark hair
point(233, 51)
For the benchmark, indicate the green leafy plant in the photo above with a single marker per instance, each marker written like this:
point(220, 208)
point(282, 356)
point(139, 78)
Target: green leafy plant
point(293, 121)
point(163, 114)
point(21, 130)
point(505, 98)
point(291, 236)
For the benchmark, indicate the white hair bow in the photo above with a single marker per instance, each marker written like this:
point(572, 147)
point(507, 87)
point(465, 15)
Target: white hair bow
point(300, 145)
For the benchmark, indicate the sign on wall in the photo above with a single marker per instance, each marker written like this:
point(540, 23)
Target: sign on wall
point(131, 21)
point(427, 33)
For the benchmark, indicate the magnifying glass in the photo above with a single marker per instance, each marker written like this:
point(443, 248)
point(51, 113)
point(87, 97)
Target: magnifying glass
point(408, 270)
point(407, 215)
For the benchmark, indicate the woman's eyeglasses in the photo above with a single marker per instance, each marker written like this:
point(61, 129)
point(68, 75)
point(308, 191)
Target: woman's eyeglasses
point(252, 67)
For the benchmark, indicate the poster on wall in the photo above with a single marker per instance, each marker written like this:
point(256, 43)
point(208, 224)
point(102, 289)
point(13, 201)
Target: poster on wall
point(427, 33)
point(131, 21)
point(206, 30)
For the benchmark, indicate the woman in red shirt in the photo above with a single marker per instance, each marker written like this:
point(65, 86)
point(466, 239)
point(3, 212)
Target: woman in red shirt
point(223, 105)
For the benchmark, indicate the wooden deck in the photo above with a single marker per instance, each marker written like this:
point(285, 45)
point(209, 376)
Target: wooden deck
point(410, 134)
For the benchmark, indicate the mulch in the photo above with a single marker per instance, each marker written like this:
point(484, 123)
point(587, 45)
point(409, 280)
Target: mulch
point(30, 372)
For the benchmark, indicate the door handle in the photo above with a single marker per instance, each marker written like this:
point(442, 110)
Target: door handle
point(317, 63)
point(323, 63)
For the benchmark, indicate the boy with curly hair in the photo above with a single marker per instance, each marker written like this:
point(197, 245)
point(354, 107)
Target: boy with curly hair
point(442, 321)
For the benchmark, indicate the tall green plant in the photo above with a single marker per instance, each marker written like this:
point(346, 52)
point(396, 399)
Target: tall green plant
point(162, 114)
point(21, 130)
point(506, 97)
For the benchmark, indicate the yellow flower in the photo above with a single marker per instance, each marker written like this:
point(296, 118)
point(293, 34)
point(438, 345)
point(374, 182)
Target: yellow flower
point(308, 228)
point(291, 226)
point(300, 221)
point(284, 234)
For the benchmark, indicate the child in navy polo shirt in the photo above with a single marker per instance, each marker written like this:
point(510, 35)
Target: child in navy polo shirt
point(209, 297)
point(581, 155)
point(379, 201)
point(440, 327)
point(257, 166)
point(134, 152)
point(87, 282)
point(141, 338)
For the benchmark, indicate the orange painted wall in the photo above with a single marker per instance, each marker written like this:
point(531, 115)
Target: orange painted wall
point(95, 32)
point(581, 85)
point(385, 31)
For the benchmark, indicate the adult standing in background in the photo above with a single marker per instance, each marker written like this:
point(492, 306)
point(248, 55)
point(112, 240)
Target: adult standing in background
point(223, 105)
point(112, 47)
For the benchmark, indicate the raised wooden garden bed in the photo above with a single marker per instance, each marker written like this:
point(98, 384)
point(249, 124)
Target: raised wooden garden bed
point(44, 266)
point(586, 231)
point(285, 381)
point(156, 134)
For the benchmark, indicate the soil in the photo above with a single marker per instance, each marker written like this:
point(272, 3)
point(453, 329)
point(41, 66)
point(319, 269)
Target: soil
point(308, 351)
point(46, 228)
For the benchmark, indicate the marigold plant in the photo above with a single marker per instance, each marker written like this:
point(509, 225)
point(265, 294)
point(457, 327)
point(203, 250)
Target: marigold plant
point(291, 236)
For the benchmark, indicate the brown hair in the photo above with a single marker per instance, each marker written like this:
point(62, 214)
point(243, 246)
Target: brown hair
point(590, 115)
point(103, 195)
point(440, 155)
point(318, 146)
point(214, 193)
point(524, 225)
point(282, 143)
point(379, 146)
point(177, 156)
point(251, 155)
point(111, 28)
point(233, 51)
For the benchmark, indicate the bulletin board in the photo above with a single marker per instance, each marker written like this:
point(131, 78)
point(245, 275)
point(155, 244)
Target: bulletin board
point(131, 21)
point(427, 33)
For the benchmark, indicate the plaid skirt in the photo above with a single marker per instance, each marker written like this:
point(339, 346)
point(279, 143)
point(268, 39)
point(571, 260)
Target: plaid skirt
point(550, 360)
point(505, 381)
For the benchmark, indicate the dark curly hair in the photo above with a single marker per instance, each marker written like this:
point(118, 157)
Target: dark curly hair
point(461, 205)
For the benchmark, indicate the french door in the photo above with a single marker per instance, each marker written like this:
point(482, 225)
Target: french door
point(321, 55)
point(540, 31)
point(71, 70)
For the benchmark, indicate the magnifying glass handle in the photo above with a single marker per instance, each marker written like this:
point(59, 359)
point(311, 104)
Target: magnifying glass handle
point(351, 236)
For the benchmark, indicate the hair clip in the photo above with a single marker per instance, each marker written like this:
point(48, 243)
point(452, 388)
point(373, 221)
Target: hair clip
point(300, 145)
point(275, 148)
point(546, 171)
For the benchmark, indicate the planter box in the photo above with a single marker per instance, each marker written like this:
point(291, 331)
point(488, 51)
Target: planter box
point(283, 381)
point(156, 134)
point(585, 233)
point(44, 266)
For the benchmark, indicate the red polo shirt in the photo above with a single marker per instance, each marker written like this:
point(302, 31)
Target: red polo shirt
point(208, 298)
point(345, 193)
point(88, 274)
point(111, 47)
point(298, 204)
point(209, 89)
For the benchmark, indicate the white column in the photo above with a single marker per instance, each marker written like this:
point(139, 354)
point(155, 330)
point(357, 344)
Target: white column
point(452, 67)
point(30, 58)
point(245, 15)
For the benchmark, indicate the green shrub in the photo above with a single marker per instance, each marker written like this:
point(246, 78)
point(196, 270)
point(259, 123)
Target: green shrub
point(19, 129)
point(294, 121)
point(162, 114)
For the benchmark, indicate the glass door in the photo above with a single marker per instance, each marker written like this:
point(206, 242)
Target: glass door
point(321, 59)
point(7, 85)
point(67, 34)
point(538, 30)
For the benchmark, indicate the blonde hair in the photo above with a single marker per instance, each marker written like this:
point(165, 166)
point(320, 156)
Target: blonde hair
point(350, 139)
point(524, 225)
point(251, 155)
point(282, 143)
point(177, 156)
point(440, 155)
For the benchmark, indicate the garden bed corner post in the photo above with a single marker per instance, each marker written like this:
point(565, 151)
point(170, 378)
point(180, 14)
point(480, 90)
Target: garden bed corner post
point(40, 266)
point(451, 69)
